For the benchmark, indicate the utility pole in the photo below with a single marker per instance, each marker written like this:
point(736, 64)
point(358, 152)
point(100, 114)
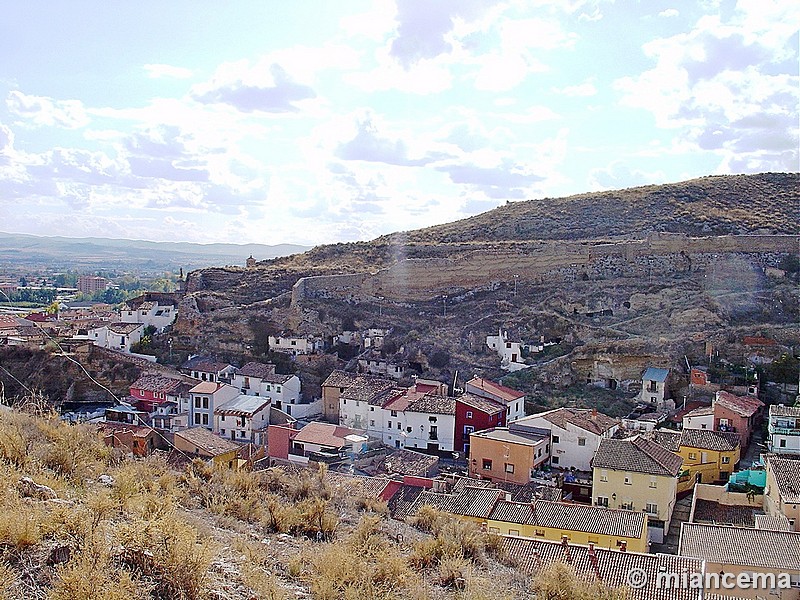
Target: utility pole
point(444, 305)
point(516, 278)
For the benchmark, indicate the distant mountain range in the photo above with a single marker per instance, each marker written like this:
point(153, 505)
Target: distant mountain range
point(18, 250)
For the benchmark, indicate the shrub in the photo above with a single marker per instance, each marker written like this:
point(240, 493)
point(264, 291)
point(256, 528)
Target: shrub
point(559, 581)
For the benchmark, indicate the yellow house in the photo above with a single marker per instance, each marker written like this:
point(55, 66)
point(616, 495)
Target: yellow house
point(640, 475)
point(708, 456)
point(782, 492)
point(578, 523)
point(749, 552)
point(201, 443)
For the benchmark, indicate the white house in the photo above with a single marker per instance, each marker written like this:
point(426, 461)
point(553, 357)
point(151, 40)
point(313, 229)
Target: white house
point(783, 431)
point(373, 363)
point(243, 419)
point(699, 418)
point(575, 434)
point(203, 398)
point(361, 400)
point(206, 368)
point(510, 352)
point(655, 388)
point(294, 344)
point(284, 391)
point(513, 399)
point(116, 336)
point(150, 314)
point(417, 419)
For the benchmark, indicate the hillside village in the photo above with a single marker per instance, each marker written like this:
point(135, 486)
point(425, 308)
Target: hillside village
point(702, 475)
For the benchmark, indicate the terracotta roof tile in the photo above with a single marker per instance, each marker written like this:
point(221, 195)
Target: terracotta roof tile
point(637, 455)
point(741, 546)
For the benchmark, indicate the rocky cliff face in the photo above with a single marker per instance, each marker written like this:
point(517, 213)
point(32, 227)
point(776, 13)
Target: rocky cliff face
point(655, 264)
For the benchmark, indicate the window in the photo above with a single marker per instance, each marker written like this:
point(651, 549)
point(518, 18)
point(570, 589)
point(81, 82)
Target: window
point(371, 409)
point(344, 400)
point(555, 439)
point(602, 501)
point(509, 467)
point(628, 480)
point(726, 460)
point(487, 464)
point(197, 402)
point(651, 508)
point(782, 443)
point(554, 460)
point(653, 482)
point(205, 418)
point(278, 389)
point(398, 424)
point(389, 424)
point(394, 413)
point(469, 414)
point(513, 532)
point(241, 434)
point(692, 455)
point(581, 441)
point(197, 419)
point(604, 475)
point(141, 392)
point(539, 532)
point(205, 402)
point(627, 505)
point(372, 422)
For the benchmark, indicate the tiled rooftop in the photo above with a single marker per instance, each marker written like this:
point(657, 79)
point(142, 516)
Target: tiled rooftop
point(706, 439)
point(745, 406)
point(572, 517)
point(780, 410)
point(204, 363)
point(205, 440)
point(638, 455)
point(787, 476)
point(485, 405)
point(470, 502)
point(741, 546)
point(503, 392)
point(596, 423)
point(158, 383)
point(708, 511)
point(242, 406)
point(607, 565)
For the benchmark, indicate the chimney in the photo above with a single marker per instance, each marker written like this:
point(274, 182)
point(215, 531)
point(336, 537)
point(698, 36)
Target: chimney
point(567, 552)
point(594, 413)
point(593, 561)
point(623, 546)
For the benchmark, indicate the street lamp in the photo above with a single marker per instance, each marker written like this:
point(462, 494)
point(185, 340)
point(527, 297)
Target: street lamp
point(444, 305)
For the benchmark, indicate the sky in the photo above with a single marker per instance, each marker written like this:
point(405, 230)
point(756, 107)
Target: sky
point(316, 122)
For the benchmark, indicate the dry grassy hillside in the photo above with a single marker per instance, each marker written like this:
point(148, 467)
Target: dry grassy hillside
point(767, 203)
point(81, 521)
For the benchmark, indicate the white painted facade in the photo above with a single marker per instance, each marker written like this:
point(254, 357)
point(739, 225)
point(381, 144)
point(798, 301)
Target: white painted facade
point(150, 314)
point(510, 352)
point(116, 338)
point(202, 401)
point(699, 421)
point(783, 430)
point(293, 345)
point(244, 428)
point(571, 446)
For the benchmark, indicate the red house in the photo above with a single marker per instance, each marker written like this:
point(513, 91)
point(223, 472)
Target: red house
point(738, 414)
point(474, 413)
point(150, 391)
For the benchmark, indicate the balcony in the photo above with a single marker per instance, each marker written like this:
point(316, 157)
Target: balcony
point(773, 429)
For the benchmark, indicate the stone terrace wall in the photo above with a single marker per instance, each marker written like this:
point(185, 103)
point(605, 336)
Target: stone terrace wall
point(478, 265)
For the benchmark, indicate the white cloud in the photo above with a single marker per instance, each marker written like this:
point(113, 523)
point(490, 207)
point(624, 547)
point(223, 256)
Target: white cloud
point(669, 13)
point(582, 90)
point(41, 110)
point(159, 71)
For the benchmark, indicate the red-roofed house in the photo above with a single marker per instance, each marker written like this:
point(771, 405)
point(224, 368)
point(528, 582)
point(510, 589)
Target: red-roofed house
point(514, 400)
point(150, 391)
point(738, 414)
